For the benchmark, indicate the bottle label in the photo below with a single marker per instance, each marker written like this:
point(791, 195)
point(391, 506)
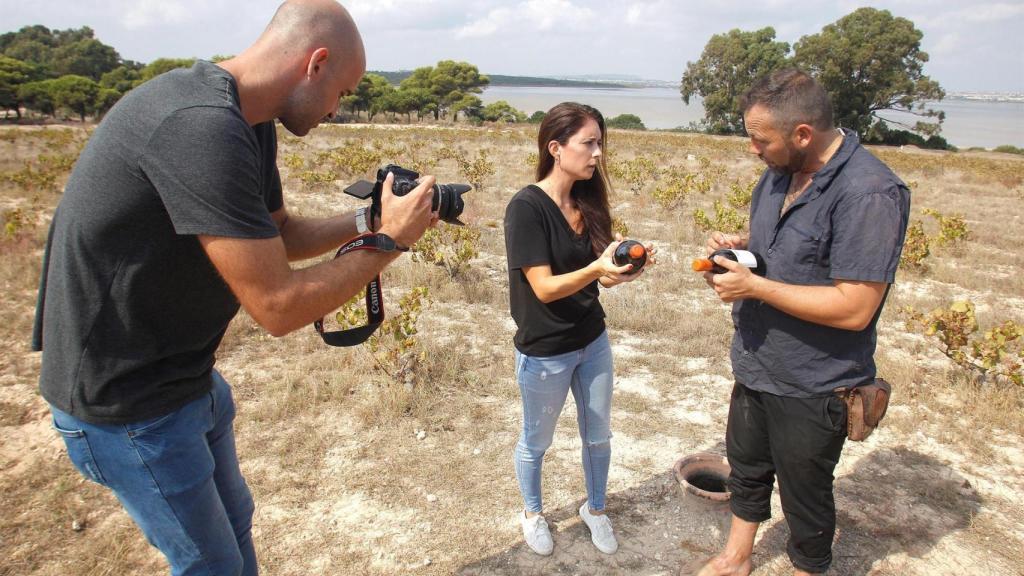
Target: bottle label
point(746, 258)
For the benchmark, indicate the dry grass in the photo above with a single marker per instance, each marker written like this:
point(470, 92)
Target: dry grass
point(356, 474)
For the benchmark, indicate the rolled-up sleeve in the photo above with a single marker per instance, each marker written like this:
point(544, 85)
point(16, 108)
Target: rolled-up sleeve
point(867, 235)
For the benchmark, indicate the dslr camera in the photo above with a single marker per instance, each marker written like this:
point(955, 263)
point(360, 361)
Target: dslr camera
point(447, 199)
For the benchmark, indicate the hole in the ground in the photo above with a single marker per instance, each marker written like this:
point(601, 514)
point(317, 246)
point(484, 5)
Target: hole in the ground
point(707, 481)
point(705, 475)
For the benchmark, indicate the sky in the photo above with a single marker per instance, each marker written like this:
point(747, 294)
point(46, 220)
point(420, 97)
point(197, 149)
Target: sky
point(973, 45)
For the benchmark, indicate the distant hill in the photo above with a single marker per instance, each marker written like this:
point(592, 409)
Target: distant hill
point(502, 80)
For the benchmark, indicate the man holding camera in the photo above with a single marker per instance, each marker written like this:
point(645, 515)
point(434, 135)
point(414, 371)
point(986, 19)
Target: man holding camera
point(829, 220)
point(172, 217)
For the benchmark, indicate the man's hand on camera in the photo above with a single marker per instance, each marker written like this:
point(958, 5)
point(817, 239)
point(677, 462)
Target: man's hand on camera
point(405, 218)
point(719, 240)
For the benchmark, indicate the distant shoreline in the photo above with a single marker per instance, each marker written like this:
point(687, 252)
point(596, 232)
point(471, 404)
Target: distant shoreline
point(506, 80)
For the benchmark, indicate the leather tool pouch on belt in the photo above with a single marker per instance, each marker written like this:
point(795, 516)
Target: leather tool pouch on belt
point(865, 407)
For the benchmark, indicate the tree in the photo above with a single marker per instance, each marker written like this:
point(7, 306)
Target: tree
point(105, 100)
point(38, 96)
point(123, 78)
point(470, 105)
point(537, 117)
point(61, 52)
point(31, 44)
point(76, 93)
point(13, 74)
point(869, 61)
point(502, 111)
point(729, 65)
point(369, 95)
point(448, 84)
point(86, 57)
point(161, 65)
point(421, 101)
point(627, 122)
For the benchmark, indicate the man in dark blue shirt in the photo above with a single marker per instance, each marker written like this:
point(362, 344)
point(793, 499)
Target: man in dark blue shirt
point(829, 220)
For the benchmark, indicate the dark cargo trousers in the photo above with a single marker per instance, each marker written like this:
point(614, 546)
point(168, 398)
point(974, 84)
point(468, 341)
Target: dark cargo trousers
point(799, 440)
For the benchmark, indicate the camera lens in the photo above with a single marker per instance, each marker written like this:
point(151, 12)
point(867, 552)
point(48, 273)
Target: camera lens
point(448, 201)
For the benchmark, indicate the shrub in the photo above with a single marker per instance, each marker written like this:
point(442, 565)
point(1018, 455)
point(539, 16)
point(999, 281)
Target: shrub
point(726, 219)
point(1006, 148)
point(449, 247)
point(619, 227)
point(636, 172)
point(394, 345)
point(952, 229)
point(996, 353)
point(916, 247)
point(741, 194)
point(15, 221)
point(476, 170)
point(626, 122)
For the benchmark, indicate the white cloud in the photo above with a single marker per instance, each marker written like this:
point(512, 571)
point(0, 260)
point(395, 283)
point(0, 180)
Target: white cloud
point(991, 12)
point(145, 13)
point(534, 15)
point(948, 45)
point(495, 20)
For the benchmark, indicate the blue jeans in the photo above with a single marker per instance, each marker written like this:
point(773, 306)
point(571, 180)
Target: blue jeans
point(544, 383)
point(177, 476)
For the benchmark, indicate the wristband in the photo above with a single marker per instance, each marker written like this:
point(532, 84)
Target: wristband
point(361, 227)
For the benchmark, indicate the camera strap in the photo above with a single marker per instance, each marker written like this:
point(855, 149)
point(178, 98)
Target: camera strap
point(374, 301)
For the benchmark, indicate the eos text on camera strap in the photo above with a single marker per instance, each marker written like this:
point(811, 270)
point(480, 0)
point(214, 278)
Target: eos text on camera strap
point(374, 296)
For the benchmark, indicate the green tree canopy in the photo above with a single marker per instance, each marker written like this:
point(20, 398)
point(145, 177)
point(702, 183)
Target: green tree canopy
point(469, 104)
point(38, 96)
point(76, 93)
point(161, 65)
point(869, 61)
point(122, 78)
point(13, 74)
point(448, 83)
point(502, 111)
point(86, 57)
point(626, 122)
point(60, 52)
point(537, 117)
point(105, 100)
point(729, 65)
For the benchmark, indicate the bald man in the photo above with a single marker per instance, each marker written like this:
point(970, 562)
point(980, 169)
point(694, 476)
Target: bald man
point(172, 218)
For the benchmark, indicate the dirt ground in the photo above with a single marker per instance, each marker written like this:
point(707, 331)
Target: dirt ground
point(354, 473)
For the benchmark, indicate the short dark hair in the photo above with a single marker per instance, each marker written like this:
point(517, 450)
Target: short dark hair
point(792, 97)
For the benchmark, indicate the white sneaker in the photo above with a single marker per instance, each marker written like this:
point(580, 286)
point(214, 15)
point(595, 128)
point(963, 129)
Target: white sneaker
point(537, 535)
point(601, 533)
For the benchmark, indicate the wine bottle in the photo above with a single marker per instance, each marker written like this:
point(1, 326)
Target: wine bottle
point(631, 252)
point(745, 257)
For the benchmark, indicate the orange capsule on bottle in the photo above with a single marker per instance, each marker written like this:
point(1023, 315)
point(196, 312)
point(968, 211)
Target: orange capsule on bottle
point(746, 258)
point(631, 252)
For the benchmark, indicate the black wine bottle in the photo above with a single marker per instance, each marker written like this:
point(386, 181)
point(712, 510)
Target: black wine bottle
point(747, 258)
point(631, 252)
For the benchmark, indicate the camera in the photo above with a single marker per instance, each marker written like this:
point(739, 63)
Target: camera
point(447, 199)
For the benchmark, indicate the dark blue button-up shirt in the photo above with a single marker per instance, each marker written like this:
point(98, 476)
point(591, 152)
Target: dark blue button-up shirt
point(849, 224)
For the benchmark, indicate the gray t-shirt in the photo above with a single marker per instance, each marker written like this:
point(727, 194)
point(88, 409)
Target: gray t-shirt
point(131, 310)
point(848, 225)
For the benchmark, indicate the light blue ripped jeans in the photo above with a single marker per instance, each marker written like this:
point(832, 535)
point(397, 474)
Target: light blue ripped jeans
point(544, 383)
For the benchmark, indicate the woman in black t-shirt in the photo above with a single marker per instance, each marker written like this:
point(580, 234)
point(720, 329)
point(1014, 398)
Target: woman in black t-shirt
point(559, 244)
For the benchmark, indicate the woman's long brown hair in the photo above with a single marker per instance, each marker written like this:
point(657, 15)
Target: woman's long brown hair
point(590, 196)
